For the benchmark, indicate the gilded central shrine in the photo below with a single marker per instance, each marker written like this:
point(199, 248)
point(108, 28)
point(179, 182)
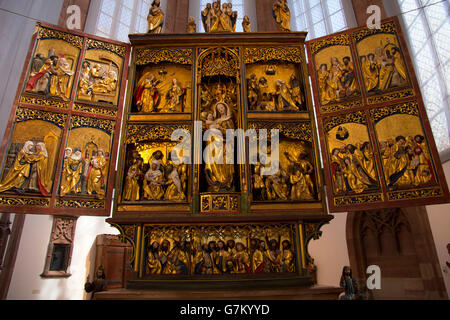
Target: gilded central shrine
point(224, 220)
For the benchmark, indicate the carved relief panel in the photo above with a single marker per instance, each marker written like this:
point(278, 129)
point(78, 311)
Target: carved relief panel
point(61, 142)
point(217, 89)
point(379, 151)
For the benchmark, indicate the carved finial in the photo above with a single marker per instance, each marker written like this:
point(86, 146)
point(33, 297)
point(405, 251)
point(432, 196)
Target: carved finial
point(192, 26)
point(246, 24)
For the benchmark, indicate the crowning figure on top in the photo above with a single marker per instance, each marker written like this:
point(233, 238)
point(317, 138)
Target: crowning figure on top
point(219, 17)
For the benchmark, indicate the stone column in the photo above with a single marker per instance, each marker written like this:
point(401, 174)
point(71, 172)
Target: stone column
point(264, 16)
point(360, 9)
point(66, 15)
point(176, 16)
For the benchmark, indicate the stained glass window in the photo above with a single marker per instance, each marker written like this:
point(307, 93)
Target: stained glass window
point(318, 17)
point(428, 28)
point(118, 18)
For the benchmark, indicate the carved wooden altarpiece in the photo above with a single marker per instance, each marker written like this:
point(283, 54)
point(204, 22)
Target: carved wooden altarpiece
point(222, 219)
point(220, 224)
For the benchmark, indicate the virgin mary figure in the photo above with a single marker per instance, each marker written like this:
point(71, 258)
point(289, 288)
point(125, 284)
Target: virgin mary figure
point(219, 174)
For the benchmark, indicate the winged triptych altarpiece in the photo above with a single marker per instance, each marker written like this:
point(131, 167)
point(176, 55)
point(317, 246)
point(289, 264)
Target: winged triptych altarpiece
point(62, 136)
point(198, 220)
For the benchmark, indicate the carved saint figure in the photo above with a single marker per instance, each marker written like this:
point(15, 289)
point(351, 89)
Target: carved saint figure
point(174, 190)
point(174, 98)
point(370, 72)
point(275, 186)
point(246, 26)
point(192, 26)
point(96, 177)
point(19, 174)
point(296, 91)
point(256, 257)
point(206, 17)
point(85, 81)
point(282, 15)
point(153, 263)
point(131, 188)
point(288, 258)
point(349, 284)
point(60, 81)
point(72, 172)
point(241, 259)
point(219, 19)
point(50, 76)
point(153, 182)
point(155, 18)
point(283, 98)
point(220, 176)
point(274, 255)
point(147, 95)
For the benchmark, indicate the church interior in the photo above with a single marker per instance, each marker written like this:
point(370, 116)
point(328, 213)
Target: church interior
point(261, 149)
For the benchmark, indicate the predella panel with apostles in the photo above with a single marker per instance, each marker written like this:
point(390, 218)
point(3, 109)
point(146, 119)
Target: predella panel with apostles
point(220, 250)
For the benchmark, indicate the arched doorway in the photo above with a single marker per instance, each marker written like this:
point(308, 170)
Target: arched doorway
point(400, 242)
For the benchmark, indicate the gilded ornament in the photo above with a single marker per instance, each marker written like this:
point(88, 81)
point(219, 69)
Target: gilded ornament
point(24, 114)
point(100, 45)
point(45, 33)
point(265, 54)
point(145, 56)
point(102, 124)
